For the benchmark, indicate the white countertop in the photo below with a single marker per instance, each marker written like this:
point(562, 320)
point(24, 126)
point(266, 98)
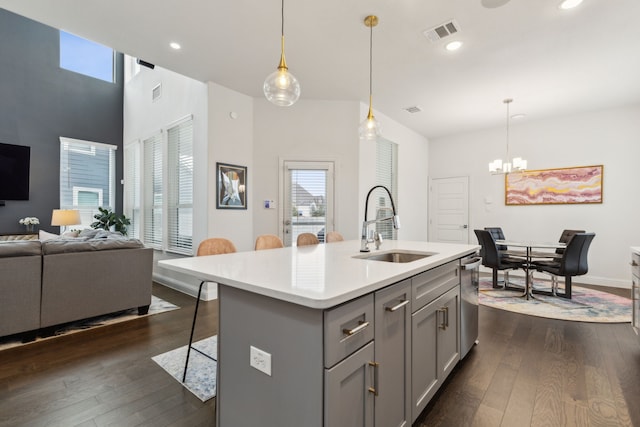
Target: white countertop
point(635, 249)
point(316, 276)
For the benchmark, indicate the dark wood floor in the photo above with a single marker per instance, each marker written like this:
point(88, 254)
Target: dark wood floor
point(526, 371)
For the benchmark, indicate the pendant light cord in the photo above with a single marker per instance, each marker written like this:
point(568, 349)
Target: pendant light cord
point(370, 62)
point(282, 18)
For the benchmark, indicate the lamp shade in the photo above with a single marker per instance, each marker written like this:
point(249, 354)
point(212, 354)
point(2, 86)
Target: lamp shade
point(65, 217)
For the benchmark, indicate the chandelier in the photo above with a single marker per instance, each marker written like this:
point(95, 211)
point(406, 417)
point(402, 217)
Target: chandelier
point(517, 164)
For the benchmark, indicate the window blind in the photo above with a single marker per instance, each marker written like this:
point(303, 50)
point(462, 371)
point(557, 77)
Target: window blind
point(132, 191)
point(386, 174)
point(87, 177)
point(153, 191)
point(180, 188)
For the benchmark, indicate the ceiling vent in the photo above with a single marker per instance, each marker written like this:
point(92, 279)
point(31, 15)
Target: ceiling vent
point(412, 110)
point(442, 31)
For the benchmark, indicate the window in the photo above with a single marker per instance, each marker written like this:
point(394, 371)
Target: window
point(87, 57)
point(180, 187)
point(87, 177)
point(159, 188)
point(153, 188)
point(386, 174)
point(132, 192)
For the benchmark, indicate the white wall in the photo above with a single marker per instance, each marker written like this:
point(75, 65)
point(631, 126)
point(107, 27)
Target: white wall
point(143, 117)
point(606, 137)
point(413, 175)
point(231, 142)
point(307, 130)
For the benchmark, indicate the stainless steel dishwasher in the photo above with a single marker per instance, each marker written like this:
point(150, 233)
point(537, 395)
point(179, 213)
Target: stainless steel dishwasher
point(469, 281)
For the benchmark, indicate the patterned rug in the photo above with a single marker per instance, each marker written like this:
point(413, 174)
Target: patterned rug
point(201, 373)
point(158, 305)
point(586, 305)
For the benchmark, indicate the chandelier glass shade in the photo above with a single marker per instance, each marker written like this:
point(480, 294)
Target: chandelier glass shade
point(370, 128)
point(281, 87)
point(517, 164)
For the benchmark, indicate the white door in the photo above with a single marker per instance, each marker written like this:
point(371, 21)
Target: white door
point(449, 210)
point(307, 199)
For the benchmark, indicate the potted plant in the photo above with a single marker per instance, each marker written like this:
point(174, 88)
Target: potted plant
point(107, 219)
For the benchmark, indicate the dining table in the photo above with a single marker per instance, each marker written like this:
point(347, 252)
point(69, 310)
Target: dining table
point(529, 255)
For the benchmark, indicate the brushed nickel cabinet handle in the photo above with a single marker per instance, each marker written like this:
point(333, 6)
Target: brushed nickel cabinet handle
point(398, 306)
point(442, 325)
point(374, 389)
point(361, 326)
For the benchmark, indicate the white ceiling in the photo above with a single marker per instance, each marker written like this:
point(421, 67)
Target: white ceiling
point(551, 62)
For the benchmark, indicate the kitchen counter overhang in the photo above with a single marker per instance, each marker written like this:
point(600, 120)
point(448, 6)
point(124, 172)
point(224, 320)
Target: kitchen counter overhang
point(317, 276)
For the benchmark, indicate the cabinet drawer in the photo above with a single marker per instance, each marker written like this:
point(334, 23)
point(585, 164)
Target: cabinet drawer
point(347, 328)
point(427, 286)
point(635, 264)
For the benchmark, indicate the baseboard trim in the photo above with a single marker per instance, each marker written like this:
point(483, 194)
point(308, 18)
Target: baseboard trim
point(209, 290)
point(587, 280)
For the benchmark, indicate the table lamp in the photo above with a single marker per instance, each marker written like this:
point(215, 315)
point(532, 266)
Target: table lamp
point(65, 217)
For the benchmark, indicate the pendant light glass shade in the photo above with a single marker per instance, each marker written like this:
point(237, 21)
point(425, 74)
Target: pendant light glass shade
point(517, 164)
point(370, 128)
point(281, 87)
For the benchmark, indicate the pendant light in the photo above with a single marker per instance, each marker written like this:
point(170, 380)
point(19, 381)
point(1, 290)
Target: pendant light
point(518, 164)
point(370, 128)
point(281, 87)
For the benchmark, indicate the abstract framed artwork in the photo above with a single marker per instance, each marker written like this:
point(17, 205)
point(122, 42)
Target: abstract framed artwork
point(576, 185)
point(231, 186)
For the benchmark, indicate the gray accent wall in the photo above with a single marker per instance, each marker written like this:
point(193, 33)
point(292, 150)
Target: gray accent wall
point(39, 102)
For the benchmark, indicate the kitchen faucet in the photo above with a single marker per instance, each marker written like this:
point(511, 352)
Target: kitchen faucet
point(376, 236)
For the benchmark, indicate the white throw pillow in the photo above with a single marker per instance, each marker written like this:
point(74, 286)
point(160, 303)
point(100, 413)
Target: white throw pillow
point(44, 236)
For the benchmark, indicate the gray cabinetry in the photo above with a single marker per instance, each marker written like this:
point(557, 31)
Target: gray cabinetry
point(635, 292)
point(393, 355)
point(348, 392)
point(435, 338)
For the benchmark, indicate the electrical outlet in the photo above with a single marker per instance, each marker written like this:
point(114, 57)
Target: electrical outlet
point(260, 359)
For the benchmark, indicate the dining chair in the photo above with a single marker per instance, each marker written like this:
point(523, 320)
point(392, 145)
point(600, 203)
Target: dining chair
point(268, 241)
point(305, 239)
point(334, 236)
point(573, 263)
point(491, 258)
point(565, 237)
point(211, 246)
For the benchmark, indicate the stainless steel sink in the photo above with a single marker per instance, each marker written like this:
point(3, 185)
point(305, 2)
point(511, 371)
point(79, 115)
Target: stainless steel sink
point(400, 256)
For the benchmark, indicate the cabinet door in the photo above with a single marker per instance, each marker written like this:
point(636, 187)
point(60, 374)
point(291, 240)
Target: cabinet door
point(424, 365)
point(349, 392)
point(393, 355)
point(448, 343)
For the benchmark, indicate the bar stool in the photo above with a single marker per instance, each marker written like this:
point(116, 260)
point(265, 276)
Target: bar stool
point(305, 239)
point(212, 246)
point(268, 241)
point(334, 236)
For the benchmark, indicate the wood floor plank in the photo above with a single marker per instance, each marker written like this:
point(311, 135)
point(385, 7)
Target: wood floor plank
point(535, 369)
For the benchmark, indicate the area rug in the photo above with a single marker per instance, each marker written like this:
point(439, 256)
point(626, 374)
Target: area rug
point(201, 374)
point(586, 305)
point(158, 305)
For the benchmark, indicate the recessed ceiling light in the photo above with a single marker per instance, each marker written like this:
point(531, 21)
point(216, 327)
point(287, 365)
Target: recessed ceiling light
point(569, 4)
point(518, 116)
point(175, 45)
point(455, 45)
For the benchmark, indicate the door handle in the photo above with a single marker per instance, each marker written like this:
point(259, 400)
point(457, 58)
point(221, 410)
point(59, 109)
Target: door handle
point(398, 306)
point(465, 226)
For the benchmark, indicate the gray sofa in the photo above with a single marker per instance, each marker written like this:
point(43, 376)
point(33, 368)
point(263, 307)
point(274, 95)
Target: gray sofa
point(47, 283)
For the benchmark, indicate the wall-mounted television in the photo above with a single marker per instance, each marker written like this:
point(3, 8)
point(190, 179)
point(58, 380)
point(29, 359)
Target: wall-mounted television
point(14, 171)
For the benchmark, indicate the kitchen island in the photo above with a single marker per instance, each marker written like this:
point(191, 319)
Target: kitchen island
point(317, 336)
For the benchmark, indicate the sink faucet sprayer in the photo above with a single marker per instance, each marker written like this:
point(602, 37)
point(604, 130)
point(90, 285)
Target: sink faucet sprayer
point(374, 235)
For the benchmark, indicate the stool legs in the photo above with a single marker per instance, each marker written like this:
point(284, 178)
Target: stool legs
point(193, 326)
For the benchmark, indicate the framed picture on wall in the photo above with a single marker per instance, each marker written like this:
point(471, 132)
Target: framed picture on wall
point(575, 185)
point(231, 186)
